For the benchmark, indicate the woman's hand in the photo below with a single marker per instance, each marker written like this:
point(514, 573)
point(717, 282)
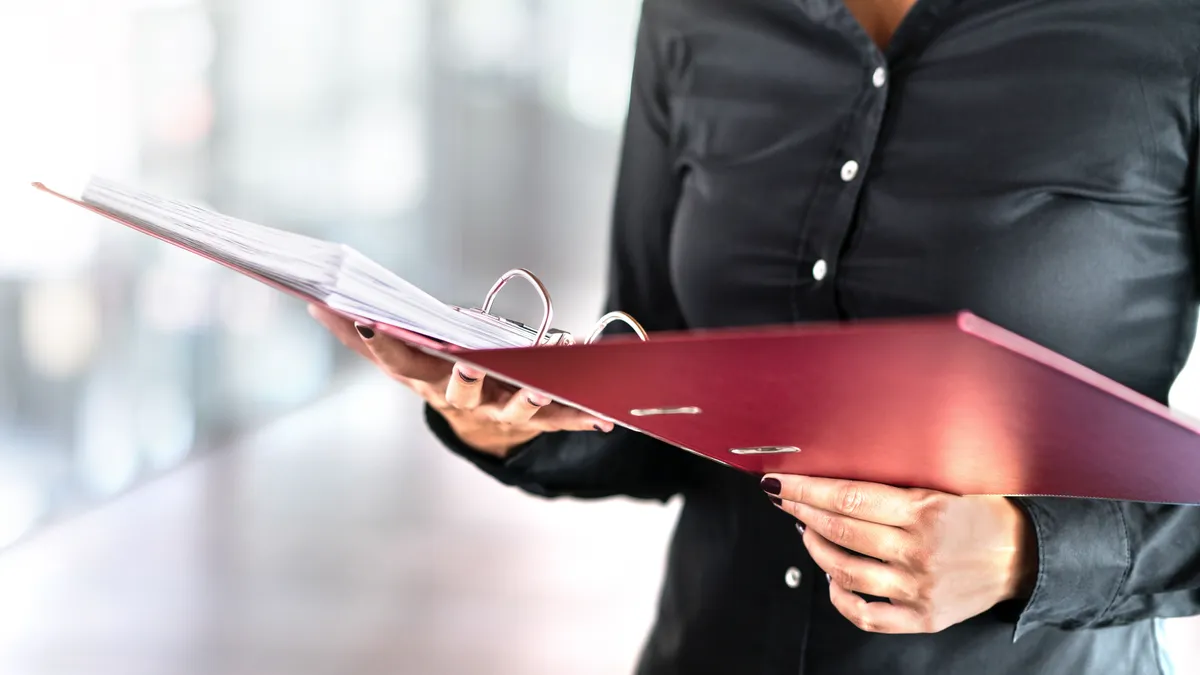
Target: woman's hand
point(489, 416)
point(939, 559)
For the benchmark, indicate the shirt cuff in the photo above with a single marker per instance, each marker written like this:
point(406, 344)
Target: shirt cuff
point(1083, 562)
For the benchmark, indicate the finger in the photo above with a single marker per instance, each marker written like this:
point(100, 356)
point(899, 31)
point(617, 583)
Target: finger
point(521, 407)
point(876, 617)
point(342, 329)
point(400, 360)
point(884, 542)
point(872, 502)
point(859, 574)
point(464, 391)
point(558, 417)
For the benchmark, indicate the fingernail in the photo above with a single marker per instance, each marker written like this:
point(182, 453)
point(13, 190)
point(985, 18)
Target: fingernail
point(599, 428)
point(537, 401)
point(365, 332)
point(465, 378)
point(771, 486)
point(776, 501)
point(828, 579)
point(800, 528)
point(469, 374)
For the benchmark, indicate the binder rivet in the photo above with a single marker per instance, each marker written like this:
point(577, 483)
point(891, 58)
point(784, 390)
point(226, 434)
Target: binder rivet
point(765, 450)
point(650, 412)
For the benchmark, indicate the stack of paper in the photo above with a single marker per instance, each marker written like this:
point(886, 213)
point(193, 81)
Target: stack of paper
point(332, 273)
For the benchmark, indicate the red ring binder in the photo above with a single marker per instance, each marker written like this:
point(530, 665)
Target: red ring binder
point(955, 404)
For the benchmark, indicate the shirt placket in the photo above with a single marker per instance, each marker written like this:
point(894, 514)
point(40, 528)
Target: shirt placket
point(832, 214)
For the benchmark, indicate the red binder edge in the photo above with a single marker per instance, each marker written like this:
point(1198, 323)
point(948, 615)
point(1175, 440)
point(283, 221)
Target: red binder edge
point(1005, 339)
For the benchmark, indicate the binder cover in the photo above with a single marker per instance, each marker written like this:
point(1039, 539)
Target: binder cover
point(952, 404)
point(955, 404)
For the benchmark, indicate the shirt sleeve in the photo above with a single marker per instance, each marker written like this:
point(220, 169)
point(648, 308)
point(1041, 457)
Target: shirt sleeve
point(1106, 563)
point(1110, 563)
point(592, 464)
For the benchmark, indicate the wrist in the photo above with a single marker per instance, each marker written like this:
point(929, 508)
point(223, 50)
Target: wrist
point(1021, 568)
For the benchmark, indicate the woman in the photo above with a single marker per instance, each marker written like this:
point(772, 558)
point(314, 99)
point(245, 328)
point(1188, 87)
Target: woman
point(811, 160)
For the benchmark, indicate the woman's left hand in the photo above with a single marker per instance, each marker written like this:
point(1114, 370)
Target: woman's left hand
point(939, 559)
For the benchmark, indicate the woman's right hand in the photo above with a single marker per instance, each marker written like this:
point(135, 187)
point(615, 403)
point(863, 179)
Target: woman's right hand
point(490, 416)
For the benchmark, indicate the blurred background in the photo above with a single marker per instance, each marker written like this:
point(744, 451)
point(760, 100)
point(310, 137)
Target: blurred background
point(194, 478)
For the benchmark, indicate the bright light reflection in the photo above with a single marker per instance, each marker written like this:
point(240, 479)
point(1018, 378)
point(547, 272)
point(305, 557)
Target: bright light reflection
point(59, 327)
point(21, 505)
point(165, 423)
point(108, 458)
point(383, 159)
point(489, 34)
point(62, 113)
point(247, 307)
point(284, 369)
point(174, 295)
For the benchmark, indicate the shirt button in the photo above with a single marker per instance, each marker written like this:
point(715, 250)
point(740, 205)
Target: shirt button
point(879, 77)
point(820, 269)
point(792, 577)
point(849, 170)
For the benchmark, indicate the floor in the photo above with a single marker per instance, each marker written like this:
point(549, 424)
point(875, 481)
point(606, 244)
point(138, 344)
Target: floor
point(339, 540)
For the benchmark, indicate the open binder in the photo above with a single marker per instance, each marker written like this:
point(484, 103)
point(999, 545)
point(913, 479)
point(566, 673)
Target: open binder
point(956, 404)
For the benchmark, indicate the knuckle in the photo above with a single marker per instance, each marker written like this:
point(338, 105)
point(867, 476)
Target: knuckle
point(836, 529)
point(931, 511)
point(799, 494)
point(922, 590)
point(843, 577)
point(465, 401)
point(919, 558)
point(462, 403)
point(863, 622)
point(850, 498)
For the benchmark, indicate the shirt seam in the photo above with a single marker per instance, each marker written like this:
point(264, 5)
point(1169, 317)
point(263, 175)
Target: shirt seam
point(1194, 197)
point(1128, 563)
point(1039, 585)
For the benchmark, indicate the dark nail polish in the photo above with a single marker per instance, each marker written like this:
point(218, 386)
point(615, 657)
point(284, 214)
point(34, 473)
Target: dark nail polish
point(800, 528)
point(776, 501)
point(365, 332)
point(771, 486)
point(468, 380)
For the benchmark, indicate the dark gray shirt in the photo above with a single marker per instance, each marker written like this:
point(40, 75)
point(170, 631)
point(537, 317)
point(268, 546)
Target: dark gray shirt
point(1033, 161)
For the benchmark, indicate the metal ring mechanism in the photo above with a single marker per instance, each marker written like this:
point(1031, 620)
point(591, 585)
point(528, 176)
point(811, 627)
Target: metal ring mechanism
point(613, 317)
point(547, 306)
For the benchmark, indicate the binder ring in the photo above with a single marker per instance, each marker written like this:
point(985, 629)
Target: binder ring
point(617, 316)
point(547, 306)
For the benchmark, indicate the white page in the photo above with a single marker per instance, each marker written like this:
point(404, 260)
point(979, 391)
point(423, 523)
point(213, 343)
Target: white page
point(331, 272)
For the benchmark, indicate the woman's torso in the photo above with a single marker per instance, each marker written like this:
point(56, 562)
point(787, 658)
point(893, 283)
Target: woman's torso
point(1029, 161)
